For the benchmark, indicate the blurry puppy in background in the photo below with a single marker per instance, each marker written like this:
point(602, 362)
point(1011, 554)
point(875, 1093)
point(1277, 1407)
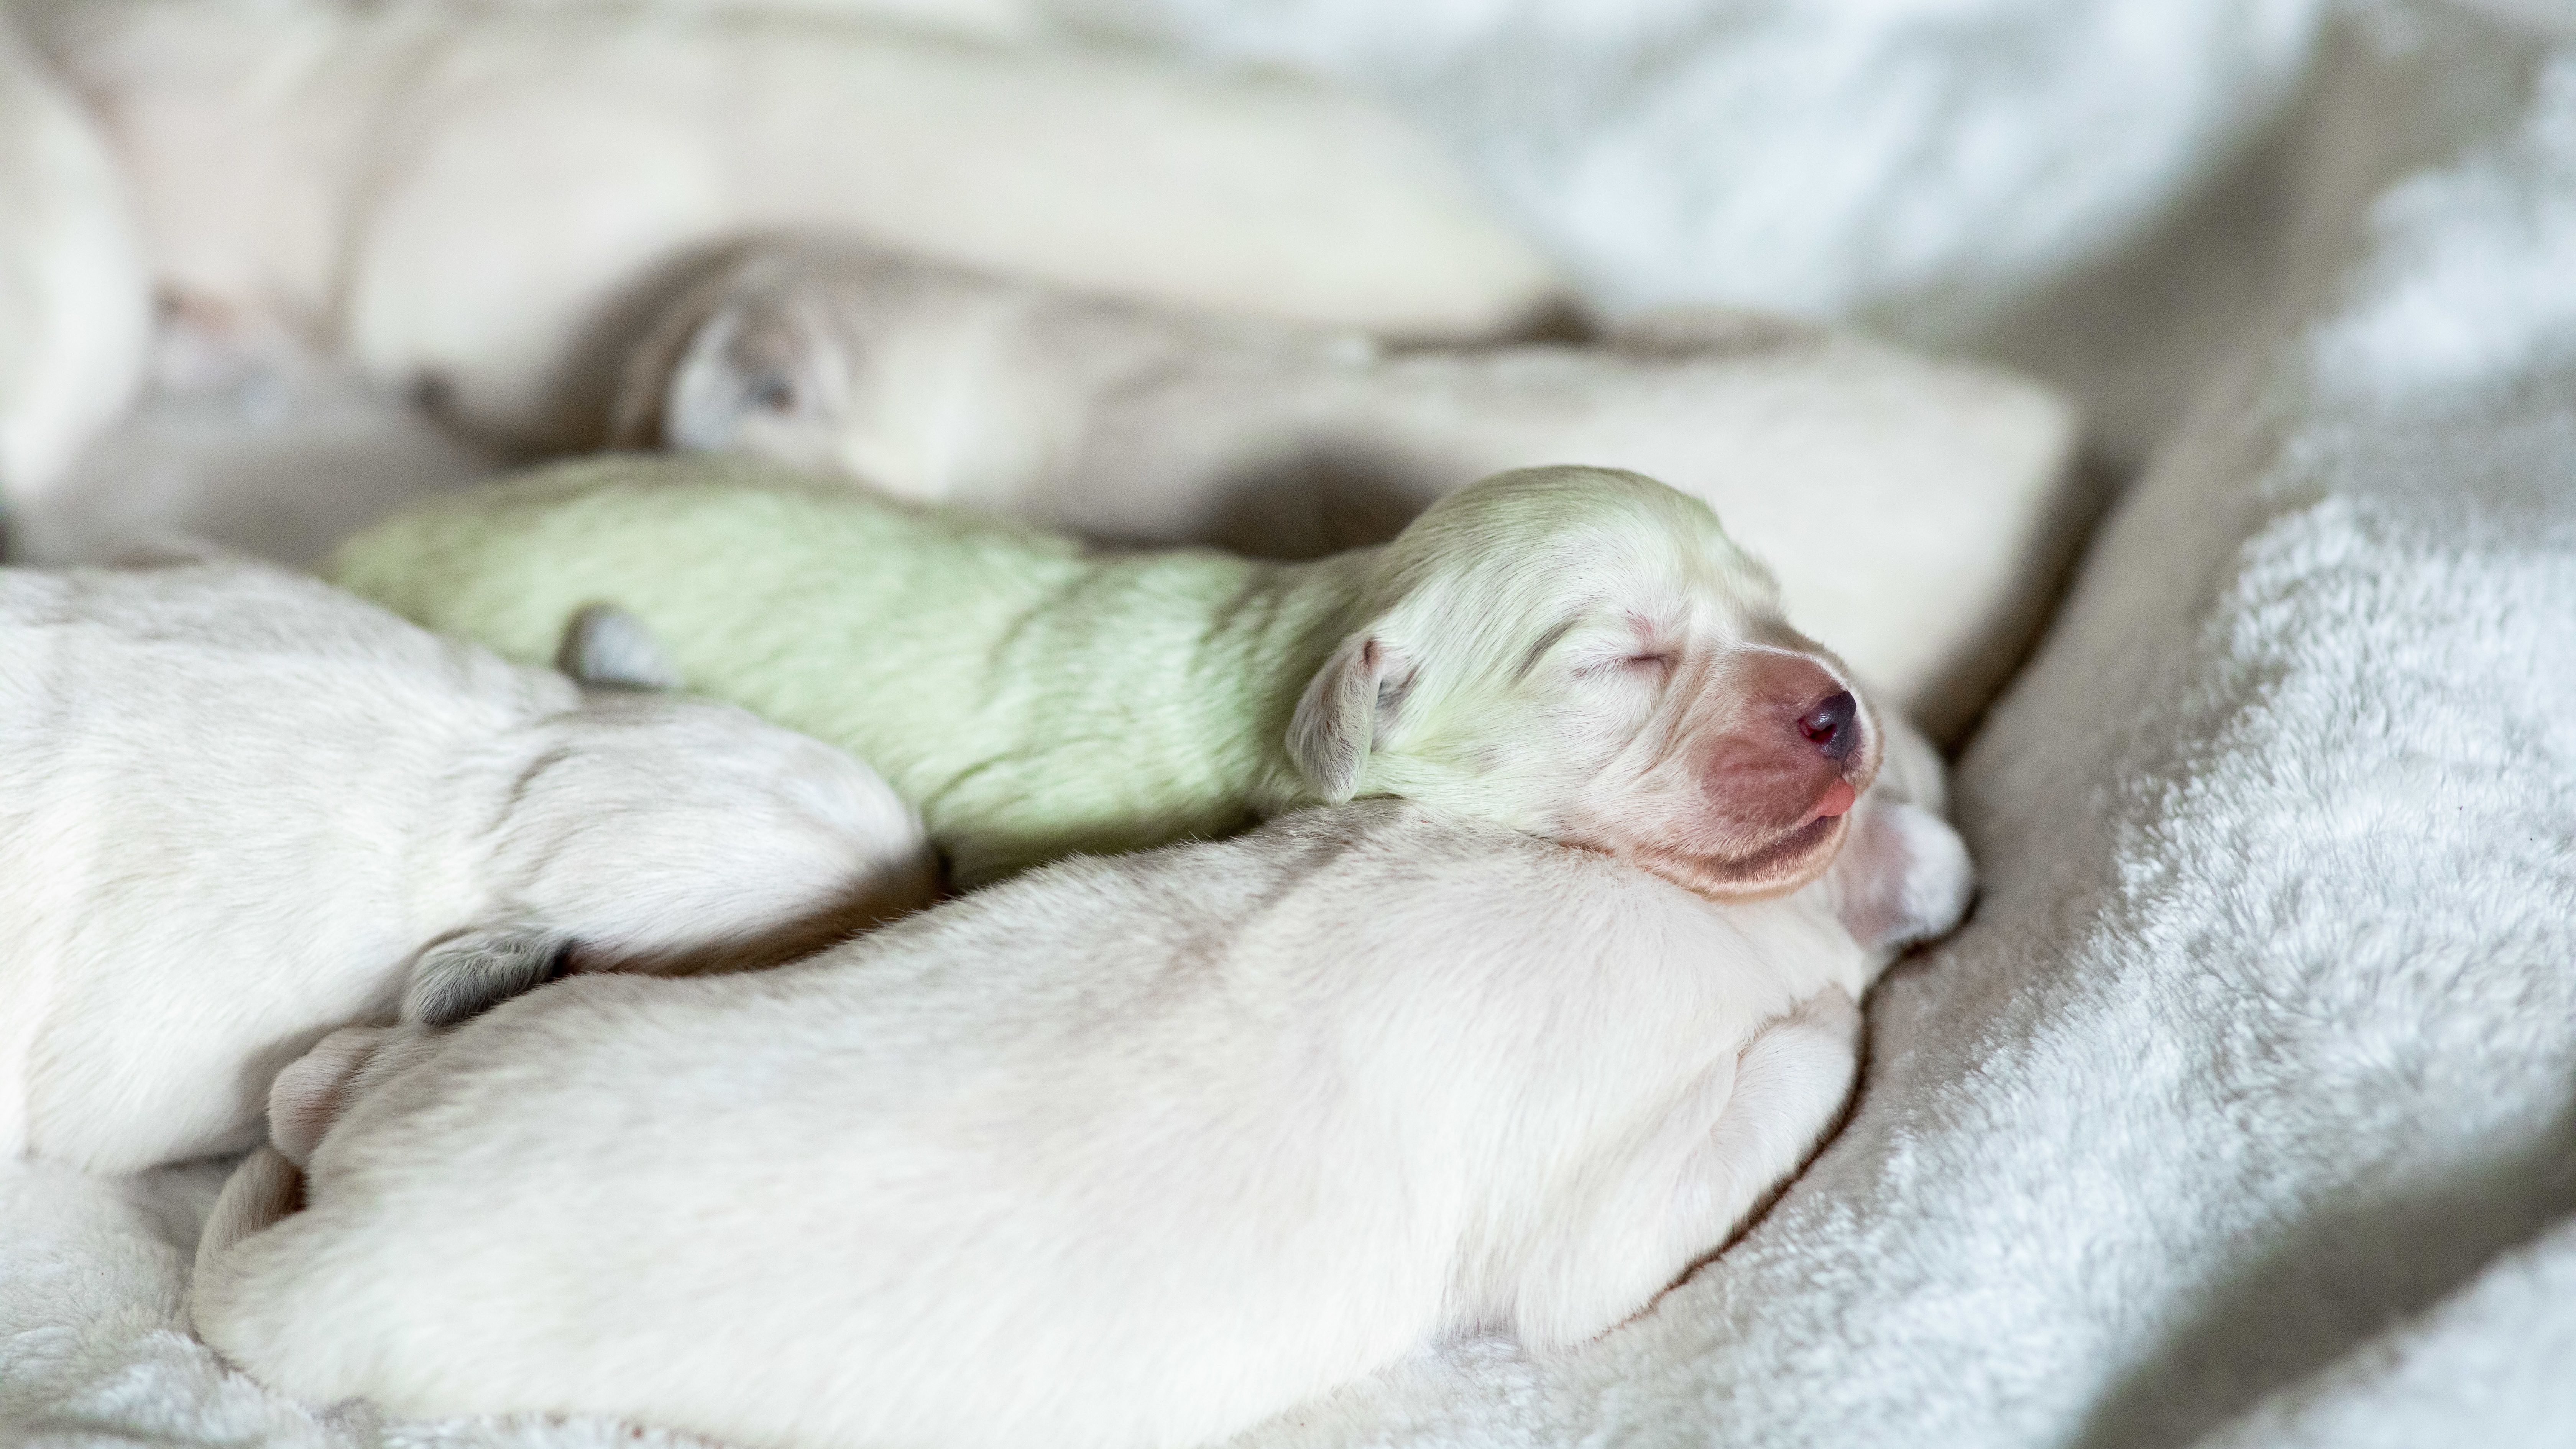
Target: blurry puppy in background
point(1912, 507)
point(1578, 653)
point(239, 808)
point(75, 299)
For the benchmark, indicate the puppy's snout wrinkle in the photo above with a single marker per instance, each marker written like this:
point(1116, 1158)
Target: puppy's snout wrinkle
point(1833, 726)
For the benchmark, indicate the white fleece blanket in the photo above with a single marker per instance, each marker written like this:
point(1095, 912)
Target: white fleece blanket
point(2243, 1112)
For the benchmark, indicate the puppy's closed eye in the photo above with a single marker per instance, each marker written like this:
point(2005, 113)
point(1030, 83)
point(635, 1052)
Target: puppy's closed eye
point(1653, 666)
point(1638, 649)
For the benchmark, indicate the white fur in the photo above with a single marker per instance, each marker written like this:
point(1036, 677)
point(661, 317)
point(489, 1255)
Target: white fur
point(1181, 1138)
point(368, 174)
point(75, 305)
point(236, 806)
point(1917, 512)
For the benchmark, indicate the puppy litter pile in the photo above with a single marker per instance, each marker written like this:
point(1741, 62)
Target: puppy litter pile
point(2240, 1112)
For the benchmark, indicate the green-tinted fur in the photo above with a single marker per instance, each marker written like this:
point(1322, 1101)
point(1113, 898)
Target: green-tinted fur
point(1035, 698)
point(1032, 698)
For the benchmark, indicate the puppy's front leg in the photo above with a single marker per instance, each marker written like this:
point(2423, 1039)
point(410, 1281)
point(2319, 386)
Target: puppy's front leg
point(1744, 1130)
point(1903, 878)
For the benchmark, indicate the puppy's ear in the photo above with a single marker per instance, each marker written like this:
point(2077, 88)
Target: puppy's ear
point(468, 974)
point(1349, 708)
point(608, 648)
point(751, 358)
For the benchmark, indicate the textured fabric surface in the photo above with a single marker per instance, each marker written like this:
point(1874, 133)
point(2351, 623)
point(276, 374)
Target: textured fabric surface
point(2258, 1050)
point(2243, 1112)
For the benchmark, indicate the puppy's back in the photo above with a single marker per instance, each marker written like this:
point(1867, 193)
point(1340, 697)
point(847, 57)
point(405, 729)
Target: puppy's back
point(1032, 699)
point(1180, 1138)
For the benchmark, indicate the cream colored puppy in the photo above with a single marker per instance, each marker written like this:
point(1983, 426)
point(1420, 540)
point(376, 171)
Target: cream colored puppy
point(249, 442)
point(1127, 1152)
point(239, 808)
point(75, 303)
point(471, 200)
point(1916, 511)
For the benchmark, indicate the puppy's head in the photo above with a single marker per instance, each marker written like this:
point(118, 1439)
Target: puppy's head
point(1583, 654)
point(898, 373)
point(660, 832)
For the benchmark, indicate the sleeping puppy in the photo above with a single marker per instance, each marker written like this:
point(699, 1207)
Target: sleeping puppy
point(363, 173)
point(1914, 509)
point(1573, 652)
point(75, 303)
point(251, 442)
point(1128, 1152)
point(239, 808)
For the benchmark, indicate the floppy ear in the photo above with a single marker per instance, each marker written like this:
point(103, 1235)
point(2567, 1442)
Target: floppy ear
point(608, 648)
point(1349, 708)
point(750, 358)
point(471, 973)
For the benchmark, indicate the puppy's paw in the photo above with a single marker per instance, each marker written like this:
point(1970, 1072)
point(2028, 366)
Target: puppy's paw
point(1903, 878)
point(606, 647)
point(469, 974)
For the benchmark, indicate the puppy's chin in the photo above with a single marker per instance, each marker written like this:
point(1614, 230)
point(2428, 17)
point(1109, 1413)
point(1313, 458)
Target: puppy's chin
point(1795, 859)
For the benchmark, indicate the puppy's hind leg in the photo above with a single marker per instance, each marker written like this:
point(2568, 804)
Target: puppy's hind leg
point(306, 1100)
point(262, 1191)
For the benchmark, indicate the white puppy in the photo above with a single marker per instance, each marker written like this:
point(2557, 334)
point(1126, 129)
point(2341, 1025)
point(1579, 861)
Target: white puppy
point(239, 808)
point(1915, 511)
point(75, 303)
point(1128, 1152)
point(471, 200)
point(248, 440)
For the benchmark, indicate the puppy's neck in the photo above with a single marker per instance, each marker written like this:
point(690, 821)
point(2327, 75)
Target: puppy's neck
point(1272, 640)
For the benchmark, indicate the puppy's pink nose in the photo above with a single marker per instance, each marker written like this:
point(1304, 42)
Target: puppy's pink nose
point(1833, 726)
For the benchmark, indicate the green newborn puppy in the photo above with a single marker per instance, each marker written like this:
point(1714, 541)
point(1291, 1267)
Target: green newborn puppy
point(1577, 653)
